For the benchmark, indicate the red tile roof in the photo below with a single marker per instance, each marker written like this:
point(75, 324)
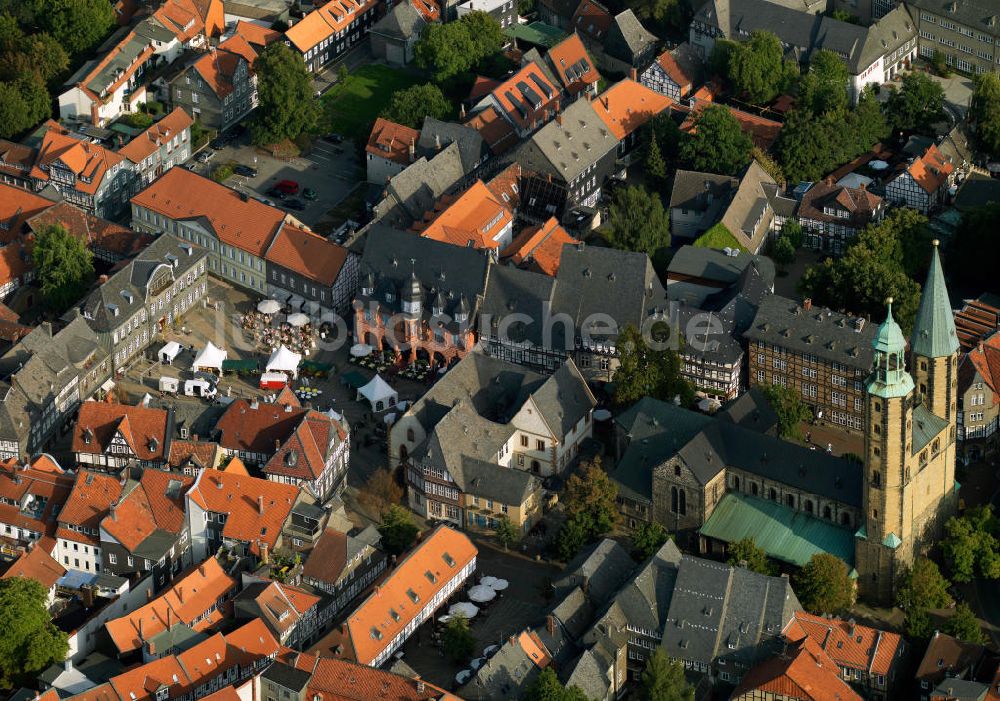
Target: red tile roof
point(496, 131)
point(592, 18)
point(627, 105)
point(16, 159)
point(94, 231)
point(140, 683)
point(143, 428)
point(148, 142)
point(505, 185)
point(17, 206)
point(859, 203)
point(283, 606)
point(243, 223)
point(307, 254)
point(257, 35)
point(340, 680)
point(976, 320)
point(482, 86)
point(50, 489)
point(931, 170)
point(218, 67)
point(88, 503)
point(89, 162)
point(392, 141)
point(985, 359)
point(203, 453)
point(428, 9)
point(325, 22)
point(256, 508)
point(847, 643)
point(672, 67)
point(258, 427)
point(405, 592)
point(573, 64)
point(539, 247)
point(156, 502)
point(803, 672)
point(38, 565)
point(304, 453)
point(187, 600)
point(473, 219)
point(515, 95)
point(328, 557)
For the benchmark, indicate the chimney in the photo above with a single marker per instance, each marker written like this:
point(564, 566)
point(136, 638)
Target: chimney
point(461, 111)
point(102, 279)
point(633, 74)
point(550, 624)
point(201, 569)
point(260, 504)
point(180, 593)
point(559, 118)
point(140, 628)
point(413, 150)
point(437, 142)
point(807, 304)
point(557, 106)
point(851, 627)
point(277, 445)
point(420, 686)
point(265, 556)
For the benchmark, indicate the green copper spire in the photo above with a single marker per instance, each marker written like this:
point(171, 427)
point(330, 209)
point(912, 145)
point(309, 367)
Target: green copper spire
point(934, 330)
point(889, 377)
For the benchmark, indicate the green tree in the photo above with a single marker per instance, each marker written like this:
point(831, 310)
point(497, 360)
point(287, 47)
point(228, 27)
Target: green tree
point(507, 532)
point(78, 25)
point(30, 641)
point(547, 687)
point(39, 55)
point(823, 88)
point(656, 167)
point(917, 104)
point(457, 639)
point(769, 165)
point(411, 105)
point(794, 232)
point(663, 679)
point(921, 588)
point(755, 67)
point(747, 551)
point(783, 251)
point(824, 585)
point(970, 545)
point(940, 64)
point(487, 35)
point(397, 529)
point(661, 15)
point(873, 269)
point(287, 107)
point(453, 48)
point(867, 122)
point(845, 16)
point(11, 35)
point(572, 536)
point(591, 492)
point(790, 409)
point(64, 266)
point(644, 371)
point(718, 60)
point(964, 625)
point(647, 539)
point(23, 104)
point(717, 143)
point(637, 221)
point(971, 253)
point(984, 112)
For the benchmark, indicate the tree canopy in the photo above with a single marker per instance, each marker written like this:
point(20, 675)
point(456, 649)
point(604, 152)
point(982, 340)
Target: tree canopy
point(971, 548)
point(23, 104)
point(547, 687)
point(717, 144)
point(380, 492)
point(30, 642)
point(643, 371)
point(647, 539)
point(824, 585)
point(747, 552)
point(456, 47)
point(922, 588)
point(287, 107)
point(917, 104)
point(64, 266)
point(590, 491)
point(791, 410)
point(458, 641)
point(637, 221)
point(984, 112)
point(757, 69)
point(410, 106)
point(873, 268)
point(507, 532)
point(663, 679)
point(964, 625)
point(823, 88)
point(397, 529)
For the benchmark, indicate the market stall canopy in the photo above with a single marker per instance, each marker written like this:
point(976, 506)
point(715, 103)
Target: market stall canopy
point(169, 352)
point(360, 350)
point(283, 360)
point(481, 594)
point(269, 306)
point(379, 394)
point(297, 319)
point(211, 356)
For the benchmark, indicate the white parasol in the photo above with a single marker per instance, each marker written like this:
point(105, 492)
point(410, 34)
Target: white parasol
point(463, 608)
point(297, 319)
point(360, 350)
point(878, 165)
point(463, 676)
point(602, 415)
point(500, 585)
point(487, 581)
point(268, 306)
point(490, 650)
point(481, 594)
point(477, 663)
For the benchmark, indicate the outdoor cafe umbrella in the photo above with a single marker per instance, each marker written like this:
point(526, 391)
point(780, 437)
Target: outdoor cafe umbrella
point(477, 663)
point(488, 580)
point(464, 609)
point(268, 306)
point(297, 319)
point(500, 585)
point(481, 594)
point(463, 676)
point(360, 350)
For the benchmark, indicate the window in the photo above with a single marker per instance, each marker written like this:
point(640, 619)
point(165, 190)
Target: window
point(524, 441)
point(540, 445)
point(112, 558)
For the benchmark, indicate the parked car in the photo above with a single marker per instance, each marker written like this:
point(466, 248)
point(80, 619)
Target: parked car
point(309, 194)
point(245, 171)
point(334, 138)
point(296, 204)
point(218, 142)
point(275, 193)
point(289, 187)
point(205, 156)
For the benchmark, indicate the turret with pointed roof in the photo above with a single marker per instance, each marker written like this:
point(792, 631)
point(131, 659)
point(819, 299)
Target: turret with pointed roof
point(889, 377)
point(934, 329)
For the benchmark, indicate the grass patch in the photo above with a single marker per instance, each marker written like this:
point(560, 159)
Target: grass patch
point(351, 106)
point(718, 237)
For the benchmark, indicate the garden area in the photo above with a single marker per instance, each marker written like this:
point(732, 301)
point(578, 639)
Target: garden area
point(352, 105)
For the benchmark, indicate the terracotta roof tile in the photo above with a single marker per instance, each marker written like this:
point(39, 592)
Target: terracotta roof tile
point(592, 18)
point(218, 67)
point(94, 231)
point(140, 683)
point(38, 565)
point(89, 502)
point(243, 499)
point(505, 185)
point(931, 170)
point(428, 9)
point(143, 428)
point(155, 503)
point(16, 159)
point(50, 491)
point(307, 254)
point(340, 680)
point(257, 428)
point(202, 453)
point(539, 247)
point(406, 591)
point(328, 557)
point(573, 64)
point(283, 606)
point(325, 22)
point(860, 204)
point(88, 161)
point(850, 644)
point(148, 142)
point(476, 218)
point(802, 672)
point(244, 223)
point(528, 97)
point(627, 105)
point(392, 141)
point(187, 600)
point(257, 35)
point(496, 131)
point(482, 86)
point(17, 206)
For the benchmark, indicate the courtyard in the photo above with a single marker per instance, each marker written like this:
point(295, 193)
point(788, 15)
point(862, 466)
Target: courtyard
point(351, 106)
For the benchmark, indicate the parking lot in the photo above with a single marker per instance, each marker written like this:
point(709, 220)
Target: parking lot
point(329, 169)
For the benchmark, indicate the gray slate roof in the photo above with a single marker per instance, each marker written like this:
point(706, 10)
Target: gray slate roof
point(567, 147)
point(698, 191)
point(413, 191)
point(715, 265)
point(504, 675)
point(627, 40)
point(401, 22)
point(751, 410)
point(973, 13)
point(513, 291)
point(600, 570)
point(821, 332)
point(435, 135)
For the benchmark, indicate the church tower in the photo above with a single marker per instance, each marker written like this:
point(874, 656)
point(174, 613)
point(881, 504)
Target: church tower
point(909, 480)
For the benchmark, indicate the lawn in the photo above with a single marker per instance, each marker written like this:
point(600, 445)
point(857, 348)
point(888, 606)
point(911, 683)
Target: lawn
point(352, 106)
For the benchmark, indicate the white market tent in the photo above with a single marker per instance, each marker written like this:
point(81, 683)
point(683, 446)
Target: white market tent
point(379, 394)
point(284, 360)
point(211, 356)
point(269, 306)
point(169, 352)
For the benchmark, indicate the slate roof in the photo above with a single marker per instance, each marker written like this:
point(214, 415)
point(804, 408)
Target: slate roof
point(401, 22)
point(713, 265)
point(627, 40)
point(566, 147)
point(600, 570)
point(926, 427)
point(751, 410)
point(701, 192)
point(436, 134)
point(934, 333)
point(509, 670)
point(416, 188)
point(974, 13)
point(512, 291)
point(977, 190)
point(827, 334)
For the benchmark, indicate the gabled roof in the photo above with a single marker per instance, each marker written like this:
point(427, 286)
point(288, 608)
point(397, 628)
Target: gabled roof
point(496, 131)
point(572, 64)
point(403, 21)
point(38, 565)
point(592, 19)
point(17, 206)
point(539, 248)
point(88, 161)
point(256, 35)
point(934, 334)
point(218, 67)
point(931, 170)
point(627, 39)
point(528, 98)
point(802, 671)
point(310, 255)
point(236, 220)
point(339, 680)
point(93, 231)
point(144, 429)
point(416, 580)
point(324, 22)
point(683, 65)
point(91, 499)
point(392, 141)
point(849, 644)
point(154, 506)
point(475, 218)
point(510, 670)
point(149, 141)
point(627, 105)
point(569, 145)
point(859, 203)
point(280, 606)
point(304, 453)
point(436, 134)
